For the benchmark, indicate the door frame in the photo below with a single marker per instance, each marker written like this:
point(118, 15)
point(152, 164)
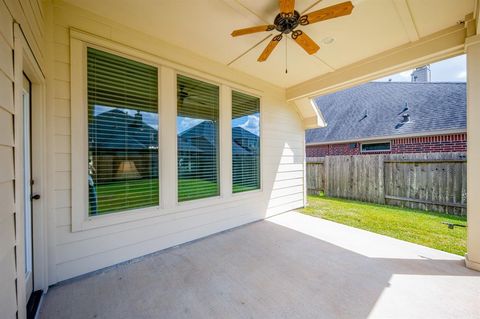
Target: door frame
point(26, 63)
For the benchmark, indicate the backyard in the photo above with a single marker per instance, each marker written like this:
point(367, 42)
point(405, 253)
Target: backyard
point(416, 226)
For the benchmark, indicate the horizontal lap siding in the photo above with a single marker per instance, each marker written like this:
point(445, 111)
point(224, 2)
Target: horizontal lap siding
point(29, 14)
point(8, 306)
point(282, 169)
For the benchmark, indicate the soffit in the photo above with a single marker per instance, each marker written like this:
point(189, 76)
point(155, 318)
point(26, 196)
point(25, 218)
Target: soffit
point(204, 27)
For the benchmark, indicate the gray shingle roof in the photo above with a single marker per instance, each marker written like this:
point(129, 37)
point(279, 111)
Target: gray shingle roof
point(431, 106)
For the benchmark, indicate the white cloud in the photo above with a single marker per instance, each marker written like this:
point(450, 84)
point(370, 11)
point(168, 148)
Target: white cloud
point(252, 124)
point(184, 123)
point(462, 75)
point(406, 74)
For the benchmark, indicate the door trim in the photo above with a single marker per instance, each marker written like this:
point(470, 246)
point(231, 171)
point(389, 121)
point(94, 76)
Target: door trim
point(25, 62)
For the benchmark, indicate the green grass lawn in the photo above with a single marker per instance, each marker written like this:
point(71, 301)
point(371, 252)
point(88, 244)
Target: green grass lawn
point(137, 193)
point(189, 189)
point(126, 195)
point(416, 226)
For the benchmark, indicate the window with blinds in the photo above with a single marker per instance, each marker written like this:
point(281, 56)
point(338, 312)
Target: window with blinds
point(122, 133)
point(197, 139)
point(245, 142)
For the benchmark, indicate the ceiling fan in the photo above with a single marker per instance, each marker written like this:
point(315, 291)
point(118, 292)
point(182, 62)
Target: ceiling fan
point(289, 19)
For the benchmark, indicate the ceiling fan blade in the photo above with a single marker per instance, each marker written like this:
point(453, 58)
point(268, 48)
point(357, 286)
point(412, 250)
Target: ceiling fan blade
point(338, 10)
point(260, 28)
point(305, 42)
point(287, 6)
point(268, 50)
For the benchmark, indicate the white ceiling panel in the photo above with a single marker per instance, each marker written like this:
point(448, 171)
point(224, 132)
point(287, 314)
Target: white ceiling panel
point(434, 15)
point(204, 27)
point(300, 65)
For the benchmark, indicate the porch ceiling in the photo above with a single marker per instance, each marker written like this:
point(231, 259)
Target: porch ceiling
point(204, 27)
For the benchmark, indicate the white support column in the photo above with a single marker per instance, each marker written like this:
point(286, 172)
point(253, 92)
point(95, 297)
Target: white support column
point(168, 137)
point(225, 136)
point(472, 258)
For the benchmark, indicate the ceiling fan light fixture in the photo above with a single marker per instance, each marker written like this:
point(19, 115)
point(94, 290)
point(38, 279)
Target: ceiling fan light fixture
point(328, 40)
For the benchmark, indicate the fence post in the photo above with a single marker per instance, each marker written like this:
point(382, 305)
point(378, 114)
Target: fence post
point(326, 170)
point(381, 179)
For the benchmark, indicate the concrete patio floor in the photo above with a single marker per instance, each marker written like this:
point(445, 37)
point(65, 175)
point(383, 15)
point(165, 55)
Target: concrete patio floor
point(288, 266)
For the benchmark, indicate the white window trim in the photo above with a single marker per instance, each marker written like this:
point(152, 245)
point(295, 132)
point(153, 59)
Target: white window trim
point(79, 126)
point(222, 156)
point(167, 70)
point(260, 189)
point(376, 151)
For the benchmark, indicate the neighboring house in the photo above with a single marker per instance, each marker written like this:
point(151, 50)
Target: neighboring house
point(391, 117)
point(114, 131)
point(198, 142)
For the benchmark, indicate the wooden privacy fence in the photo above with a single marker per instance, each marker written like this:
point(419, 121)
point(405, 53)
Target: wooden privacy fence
point(427, 181)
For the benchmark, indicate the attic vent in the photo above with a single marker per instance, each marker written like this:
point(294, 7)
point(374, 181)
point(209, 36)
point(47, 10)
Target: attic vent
point(365, 115)
point(406, 118)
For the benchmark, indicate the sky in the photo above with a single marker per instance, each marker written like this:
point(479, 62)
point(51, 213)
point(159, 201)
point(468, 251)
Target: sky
point(450, 70)
point(250, 123)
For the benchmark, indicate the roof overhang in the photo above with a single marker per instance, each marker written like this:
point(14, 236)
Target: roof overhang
point(311, 115)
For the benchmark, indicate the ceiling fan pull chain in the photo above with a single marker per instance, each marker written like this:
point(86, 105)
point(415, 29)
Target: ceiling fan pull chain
point(286, 60)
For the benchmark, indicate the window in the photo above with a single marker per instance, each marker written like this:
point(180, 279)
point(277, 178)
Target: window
point(122, 133)
point(376, 147)
point(245, 142)
point(197, 139)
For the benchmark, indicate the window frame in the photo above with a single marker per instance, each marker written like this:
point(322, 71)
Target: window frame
point(167, 80)
point(132, 210)
point(376, 151)
point(220, 140)
point(81, 220)
point(260, 110)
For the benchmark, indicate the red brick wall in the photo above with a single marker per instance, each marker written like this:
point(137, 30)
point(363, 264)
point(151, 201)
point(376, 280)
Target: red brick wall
point(427, 144)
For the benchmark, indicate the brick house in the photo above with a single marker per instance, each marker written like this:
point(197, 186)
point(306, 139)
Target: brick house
point(392, 117)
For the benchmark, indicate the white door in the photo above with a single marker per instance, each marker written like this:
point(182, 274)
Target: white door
point(27, 182)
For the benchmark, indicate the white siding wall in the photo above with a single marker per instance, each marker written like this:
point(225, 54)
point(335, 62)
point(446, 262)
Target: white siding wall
point(283, 155)
point(8, 306)
point(30, 17)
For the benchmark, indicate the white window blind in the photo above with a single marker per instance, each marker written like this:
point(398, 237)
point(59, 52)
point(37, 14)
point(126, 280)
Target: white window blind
point(197, 139)
point(245, 142)
point(122, 133)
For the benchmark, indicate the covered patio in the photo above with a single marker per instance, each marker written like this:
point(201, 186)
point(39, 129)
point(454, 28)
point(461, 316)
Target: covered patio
point(128, 128)
point(287, 266)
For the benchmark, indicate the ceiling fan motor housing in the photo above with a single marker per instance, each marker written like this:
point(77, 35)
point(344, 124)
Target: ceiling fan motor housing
point(287, 22)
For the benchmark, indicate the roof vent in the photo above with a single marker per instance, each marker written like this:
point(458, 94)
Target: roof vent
point(365, 115)
point(406, 118)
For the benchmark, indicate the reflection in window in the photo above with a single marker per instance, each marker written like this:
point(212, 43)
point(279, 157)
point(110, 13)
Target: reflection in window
point(122, 134)
point(197, 139)
point(245, 142)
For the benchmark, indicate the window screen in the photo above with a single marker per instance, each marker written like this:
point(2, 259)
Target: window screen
point(122, 133)
point(197, 139)
point(245, 142)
